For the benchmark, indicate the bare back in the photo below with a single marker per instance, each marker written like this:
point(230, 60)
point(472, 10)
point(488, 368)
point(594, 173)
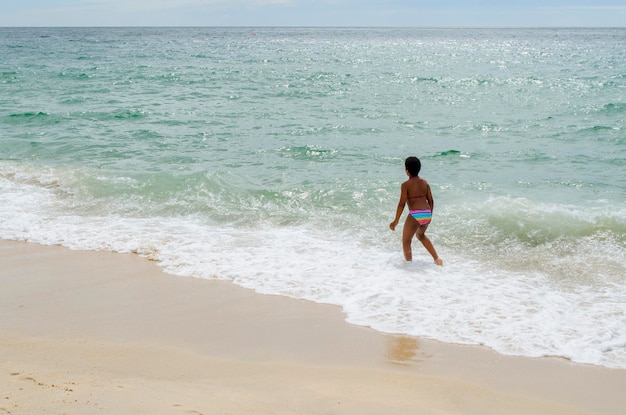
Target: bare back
point(418, 195)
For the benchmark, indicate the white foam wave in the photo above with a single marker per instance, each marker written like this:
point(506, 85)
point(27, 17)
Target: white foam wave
point(468, 301)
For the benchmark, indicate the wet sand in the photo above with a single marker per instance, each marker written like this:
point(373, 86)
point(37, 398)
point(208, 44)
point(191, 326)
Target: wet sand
point(97, 332)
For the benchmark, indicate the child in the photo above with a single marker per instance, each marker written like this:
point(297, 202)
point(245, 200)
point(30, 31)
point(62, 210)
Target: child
point(416, 193)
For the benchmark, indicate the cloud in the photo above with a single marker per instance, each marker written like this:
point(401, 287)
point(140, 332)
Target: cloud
point(145, 6)
point(133, 12)
point(154, 5)
point(584, 8)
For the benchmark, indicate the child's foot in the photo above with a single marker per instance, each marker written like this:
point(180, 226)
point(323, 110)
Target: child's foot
point(439, 262)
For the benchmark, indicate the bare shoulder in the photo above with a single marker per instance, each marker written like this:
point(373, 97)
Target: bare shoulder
point(423, 183)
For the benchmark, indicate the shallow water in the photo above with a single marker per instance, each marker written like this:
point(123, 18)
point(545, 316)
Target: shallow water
point(274, 159)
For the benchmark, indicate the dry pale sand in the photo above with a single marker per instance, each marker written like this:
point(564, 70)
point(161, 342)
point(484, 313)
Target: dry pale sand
point(103, 333)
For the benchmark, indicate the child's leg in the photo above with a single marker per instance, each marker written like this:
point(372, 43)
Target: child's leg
point(410, 227)
point(421, 235)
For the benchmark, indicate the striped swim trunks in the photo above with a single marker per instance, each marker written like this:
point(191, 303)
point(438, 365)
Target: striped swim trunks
point(422, 217)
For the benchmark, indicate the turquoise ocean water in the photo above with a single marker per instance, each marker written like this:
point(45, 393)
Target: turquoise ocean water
point(273, 157)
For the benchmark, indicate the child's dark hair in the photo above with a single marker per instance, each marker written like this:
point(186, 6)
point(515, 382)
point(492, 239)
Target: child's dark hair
point(413, 165)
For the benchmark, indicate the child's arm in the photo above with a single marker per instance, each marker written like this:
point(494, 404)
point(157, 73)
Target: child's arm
point(431, 202)
point(400, 208)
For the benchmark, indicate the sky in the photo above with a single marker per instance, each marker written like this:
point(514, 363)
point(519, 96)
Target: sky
point(263, 13)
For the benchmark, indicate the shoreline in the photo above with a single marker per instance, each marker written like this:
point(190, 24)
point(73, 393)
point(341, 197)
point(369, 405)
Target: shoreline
point(97, 332)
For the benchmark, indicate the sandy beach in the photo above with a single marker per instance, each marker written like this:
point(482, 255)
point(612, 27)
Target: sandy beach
point(100, 333)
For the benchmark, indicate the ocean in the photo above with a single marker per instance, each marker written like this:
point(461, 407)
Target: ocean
point(273, 158)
